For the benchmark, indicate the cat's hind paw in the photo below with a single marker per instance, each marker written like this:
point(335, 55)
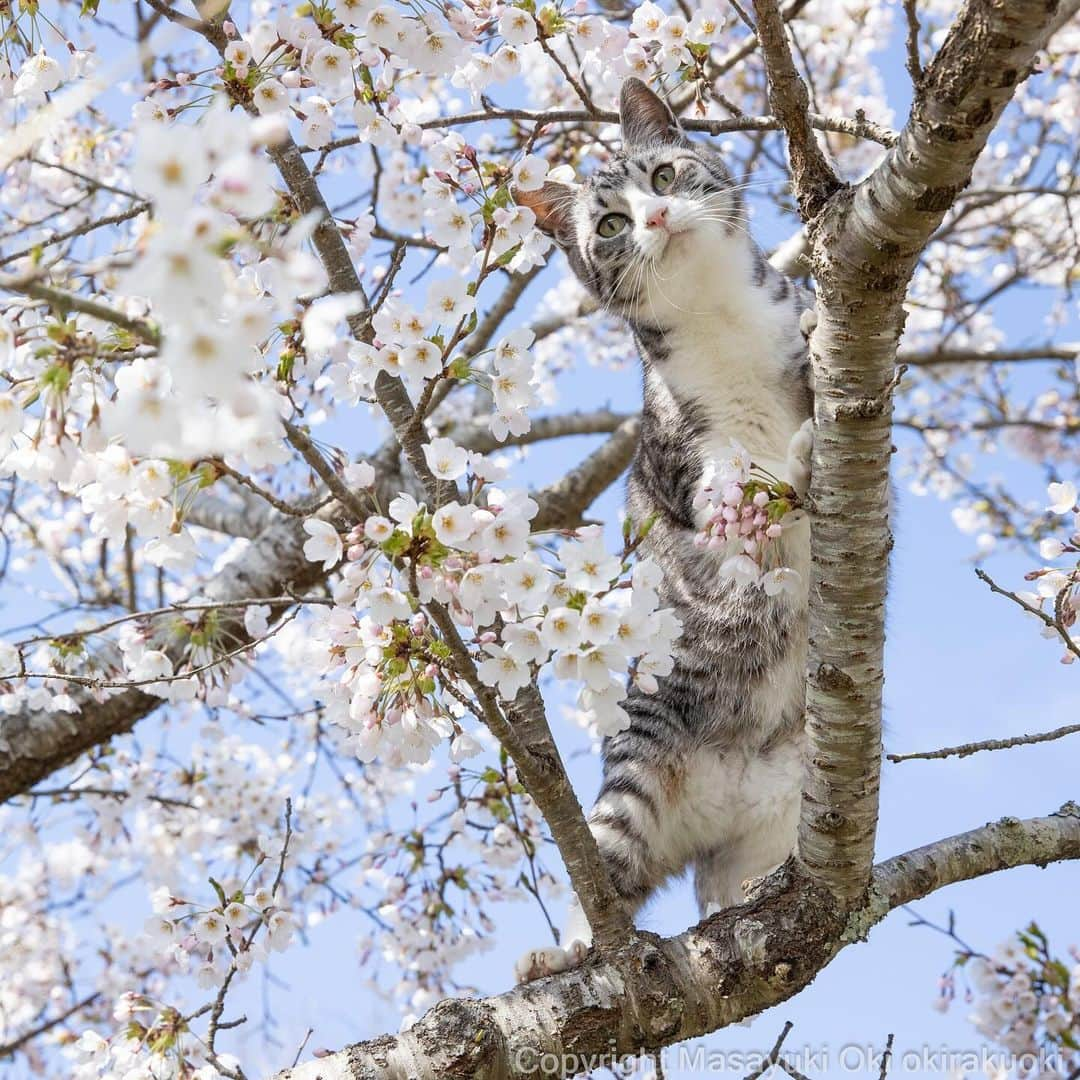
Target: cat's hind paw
point(551, 960)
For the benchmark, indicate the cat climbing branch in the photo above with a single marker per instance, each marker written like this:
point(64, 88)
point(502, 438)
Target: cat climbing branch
point(367, 328)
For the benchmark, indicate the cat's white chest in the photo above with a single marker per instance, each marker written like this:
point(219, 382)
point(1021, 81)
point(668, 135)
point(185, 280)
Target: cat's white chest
point(730, 366)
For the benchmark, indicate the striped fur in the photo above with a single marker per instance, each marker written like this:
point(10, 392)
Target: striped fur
point(708, 773)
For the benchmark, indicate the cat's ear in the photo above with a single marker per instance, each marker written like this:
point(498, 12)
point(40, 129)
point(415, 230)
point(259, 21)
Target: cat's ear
point(553, 206)
point(645, 116)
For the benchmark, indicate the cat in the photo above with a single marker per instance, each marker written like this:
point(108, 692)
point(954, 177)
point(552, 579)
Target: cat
point(708, 773)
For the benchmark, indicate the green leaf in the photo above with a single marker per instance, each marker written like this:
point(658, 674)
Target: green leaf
point(220, 892)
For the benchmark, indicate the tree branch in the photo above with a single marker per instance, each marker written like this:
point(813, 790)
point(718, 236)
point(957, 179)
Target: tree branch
point(866, 242)
point(563, 503)
point(477, 436)
point(522, 729)
point(657, 992)
point(967, 749)
point(36, 743)
point(944, 357)
point(857, 127)
point(812, 176)
point(145, 331)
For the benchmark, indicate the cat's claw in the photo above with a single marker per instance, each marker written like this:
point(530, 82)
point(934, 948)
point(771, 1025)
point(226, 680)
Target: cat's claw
point(539, 963)
point(798, 458)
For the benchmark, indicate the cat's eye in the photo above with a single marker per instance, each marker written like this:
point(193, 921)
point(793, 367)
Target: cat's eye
point(663, 178)
point(611, 225)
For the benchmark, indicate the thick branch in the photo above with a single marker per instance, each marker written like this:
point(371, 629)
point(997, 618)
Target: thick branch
point(657, 992)
point(563, 503)
point(35, 744)
point(865, 245)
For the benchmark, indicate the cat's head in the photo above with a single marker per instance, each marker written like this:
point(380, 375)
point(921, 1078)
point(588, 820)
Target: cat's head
point(648, 231)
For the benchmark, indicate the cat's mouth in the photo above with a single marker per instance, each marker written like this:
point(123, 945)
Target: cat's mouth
point(672, 241)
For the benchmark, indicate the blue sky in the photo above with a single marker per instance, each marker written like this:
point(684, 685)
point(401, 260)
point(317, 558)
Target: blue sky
point(961, 664)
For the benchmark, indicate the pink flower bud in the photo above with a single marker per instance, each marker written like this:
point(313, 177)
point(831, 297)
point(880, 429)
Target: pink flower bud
point(761, 498)
point(774, 530)
point(355, 553)
point(229, 27)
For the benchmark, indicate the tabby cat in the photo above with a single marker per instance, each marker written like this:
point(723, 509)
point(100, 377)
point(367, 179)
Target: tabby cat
point(709, 771)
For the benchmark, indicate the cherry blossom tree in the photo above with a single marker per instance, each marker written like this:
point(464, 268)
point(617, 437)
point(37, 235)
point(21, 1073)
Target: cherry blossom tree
point(277, 346)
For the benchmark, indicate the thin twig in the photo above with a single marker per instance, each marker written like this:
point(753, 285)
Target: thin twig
point(30, 286)
point(9, 1048)
point(914, 64)
point(886, 1057)
point(966, 749)
point(774, 1053)
point(1052, 622)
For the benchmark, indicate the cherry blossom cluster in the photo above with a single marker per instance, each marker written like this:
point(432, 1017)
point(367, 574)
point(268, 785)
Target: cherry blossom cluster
point(1024, 999)
point(433, 889)
point(244, 928)
point(399, 686)
point(1057, 589)
point(743, 511)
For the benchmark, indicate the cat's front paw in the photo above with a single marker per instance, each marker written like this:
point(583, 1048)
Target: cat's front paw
point(799, 453)
point(539, 963)
point(807, 322)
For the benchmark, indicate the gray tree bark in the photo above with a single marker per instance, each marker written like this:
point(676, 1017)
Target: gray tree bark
point(656, 992)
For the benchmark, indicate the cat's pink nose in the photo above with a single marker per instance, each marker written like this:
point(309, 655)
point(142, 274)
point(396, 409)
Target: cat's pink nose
point(656, 217)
